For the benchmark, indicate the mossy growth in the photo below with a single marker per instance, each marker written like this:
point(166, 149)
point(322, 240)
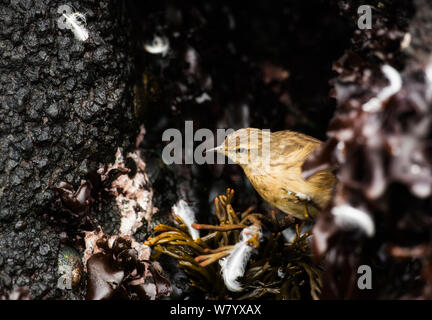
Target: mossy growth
point(277, 270)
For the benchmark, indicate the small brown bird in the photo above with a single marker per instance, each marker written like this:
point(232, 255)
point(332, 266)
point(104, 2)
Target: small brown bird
point(272, 162)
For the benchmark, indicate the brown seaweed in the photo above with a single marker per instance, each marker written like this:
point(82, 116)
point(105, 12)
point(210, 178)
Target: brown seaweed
point(279, 269)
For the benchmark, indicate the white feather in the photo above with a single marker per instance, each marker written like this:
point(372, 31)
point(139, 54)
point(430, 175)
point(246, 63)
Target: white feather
point(395, 80)
point(303, 196)
point(348, 217)
point(234, 266)
point(185, 212)
point(159, 45)
point(394, 86)
point(77, 21)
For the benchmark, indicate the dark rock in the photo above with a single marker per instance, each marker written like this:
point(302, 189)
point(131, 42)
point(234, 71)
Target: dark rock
point(54, 120)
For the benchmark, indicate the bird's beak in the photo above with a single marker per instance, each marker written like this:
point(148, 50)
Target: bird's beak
point(217, 149)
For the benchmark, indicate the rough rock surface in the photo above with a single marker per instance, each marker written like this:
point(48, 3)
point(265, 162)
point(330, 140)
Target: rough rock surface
point(65, 107)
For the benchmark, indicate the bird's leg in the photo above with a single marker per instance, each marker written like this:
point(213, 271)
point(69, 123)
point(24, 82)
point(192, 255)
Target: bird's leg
point(306, 211)
point(297, 197)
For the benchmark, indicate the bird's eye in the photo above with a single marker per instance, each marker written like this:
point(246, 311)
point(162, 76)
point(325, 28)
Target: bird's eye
point(240, 150)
